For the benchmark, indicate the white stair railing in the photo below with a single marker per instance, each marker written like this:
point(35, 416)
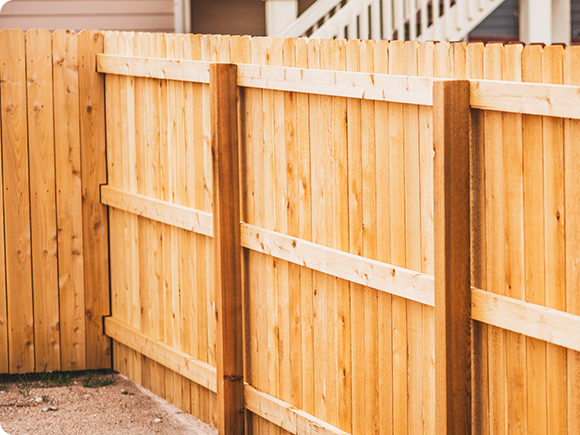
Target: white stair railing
point(423, 20)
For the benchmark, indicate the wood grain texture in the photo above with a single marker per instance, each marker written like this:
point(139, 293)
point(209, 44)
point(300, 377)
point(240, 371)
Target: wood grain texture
point(480, 390)
point(230, 377)
point(16, 202)
point(95, 220)
point(495, 210)
point(534, 244)
point(42, 199)
point(69, 199)
point(452, 266)
point(555, 241)
point(572, 199)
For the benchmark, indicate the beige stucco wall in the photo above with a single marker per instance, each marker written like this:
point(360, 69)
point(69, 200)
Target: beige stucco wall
point(135, 15)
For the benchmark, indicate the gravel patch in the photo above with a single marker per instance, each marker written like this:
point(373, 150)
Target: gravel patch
point(120, 408)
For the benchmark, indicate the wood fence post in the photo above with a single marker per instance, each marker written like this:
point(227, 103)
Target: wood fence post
point(452, 258)
point(228, 268)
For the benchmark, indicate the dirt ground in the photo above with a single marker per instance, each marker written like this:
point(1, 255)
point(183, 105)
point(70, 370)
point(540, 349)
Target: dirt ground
point(28, 407)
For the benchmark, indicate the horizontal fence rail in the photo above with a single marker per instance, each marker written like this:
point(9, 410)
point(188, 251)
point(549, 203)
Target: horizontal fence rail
point(547, 324)
point(272, 409)
point(524, 98)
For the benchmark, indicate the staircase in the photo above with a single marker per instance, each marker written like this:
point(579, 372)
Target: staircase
point(422, 20)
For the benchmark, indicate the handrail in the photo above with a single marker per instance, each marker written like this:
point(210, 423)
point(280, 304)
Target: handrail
point(310, 17)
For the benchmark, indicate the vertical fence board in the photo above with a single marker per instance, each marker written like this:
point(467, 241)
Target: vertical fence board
point(293, 222)
point(95, 220)
point(572, 191)
point(305, 211)
point(534, 244)
point(413, 243)
point(16, 201)
point(383, 208)
point(495, 244)
point(425, 69)
point(356, 245)
point(119, 284)
point(398, 246)
point(316, 153)
point(555, 245)
point(326, 232)
point(42, 199)
point(480, 391)
point(369, 238)
point(514, 245)
point(342, 320)
point(69, 199)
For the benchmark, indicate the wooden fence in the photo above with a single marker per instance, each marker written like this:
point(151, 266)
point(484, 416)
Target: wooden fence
point(339, 234)
point(352, 259)
point(54, 279)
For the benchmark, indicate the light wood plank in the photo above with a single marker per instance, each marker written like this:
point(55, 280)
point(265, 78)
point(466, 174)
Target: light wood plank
point(43, 199)
point(514, 243)
point(495, 219)
point(376, 87)
point(369, 248)
point(69, 200)
point(128, 154)
point(305, 223)
point(534, 244)
point(342, 319)
point(178, 361)
point(151, 67)
point(282, 414)
point(16, 202)
point(293, 223)
point(95, 221)
point(318, 146)
point(542, 323)
point(351, 84)
point(189, 219)
point(398, 248)
point(529, 98)
point(571, 129)
point(114, 176)
point(555, 241)
point(383, 200)
point(413, 243)
point(425, 68)
point(356, 245)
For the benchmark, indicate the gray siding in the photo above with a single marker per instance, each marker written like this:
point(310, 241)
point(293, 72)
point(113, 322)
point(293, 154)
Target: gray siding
point(504, 21)
point(575, 12)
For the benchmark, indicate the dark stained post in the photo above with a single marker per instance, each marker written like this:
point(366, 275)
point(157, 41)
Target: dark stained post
point(452, 259)
point(226, 213)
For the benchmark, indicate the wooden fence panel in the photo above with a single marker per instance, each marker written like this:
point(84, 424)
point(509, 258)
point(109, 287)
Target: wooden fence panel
point(50, 310)
point(356, 176)
point(16, 202)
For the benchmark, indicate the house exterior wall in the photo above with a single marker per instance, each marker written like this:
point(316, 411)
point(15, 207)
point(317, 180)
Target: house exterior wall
point(130, 15)
point(229, 17)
